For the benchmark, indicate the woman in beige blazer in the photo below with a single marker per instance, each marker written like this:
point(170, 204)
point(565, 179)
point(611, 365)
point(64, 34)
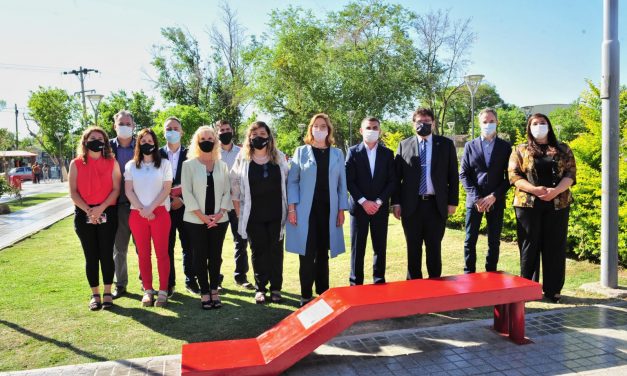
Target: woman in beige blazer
point(206, 193)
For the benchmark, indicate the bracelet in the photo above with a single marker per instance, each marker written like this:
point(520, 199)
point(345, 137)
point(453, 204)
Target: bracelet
point(291, 211)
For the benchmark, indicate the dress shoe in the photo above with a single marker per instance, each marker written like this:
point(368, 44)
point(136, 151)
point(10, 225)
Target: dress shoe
point(119, 292)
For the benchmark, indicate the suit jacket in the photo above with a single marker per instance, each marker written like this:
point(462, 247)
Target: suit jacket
point(444, 175)
point(360, 181)
point(194, 188)
point(182, 158)
point(478, 179)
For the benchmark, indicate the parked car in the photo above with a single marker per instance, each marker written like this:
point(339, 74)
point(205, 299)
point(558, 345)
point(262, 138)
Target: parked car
point(24, 172)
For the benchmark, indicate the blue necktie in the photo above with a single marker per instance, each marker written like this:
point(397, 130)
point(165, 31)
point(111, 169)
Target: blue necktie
point(423, 168)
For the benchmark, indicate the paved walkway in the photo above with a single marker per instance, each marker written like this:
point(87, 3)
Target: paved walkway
point(29, 189)
point(587, 340)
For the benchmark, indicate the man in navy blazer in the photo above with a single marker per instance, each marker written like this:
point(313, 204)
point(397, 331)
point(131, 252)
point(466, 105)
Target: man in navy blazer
point(177, 154)
point(484, 177)
point(370, 181)
point(427, 193)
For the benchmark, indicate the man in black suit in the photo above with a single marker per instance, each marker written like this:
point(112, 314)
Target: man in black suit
point(427, 193)
point(371, 181)
point(177, 154)
point(484, 177)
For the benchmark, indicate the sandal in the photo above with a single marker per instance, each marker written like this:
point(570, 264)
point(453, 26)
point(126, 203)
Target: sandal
point(107, 304)
point(260, 297)
point(95, 303)
point(162, 298)
point(205, 304)
point(215, 299)
point(149, 298)
point(276, 297)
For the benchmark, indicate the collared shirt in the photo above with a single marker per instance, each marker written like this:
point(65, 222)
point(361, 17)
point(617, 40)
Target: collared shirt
point(487, 146)
point(372, 158)
point(229, 156)
point(429, 145)
point(123, 155)
point(173, 157)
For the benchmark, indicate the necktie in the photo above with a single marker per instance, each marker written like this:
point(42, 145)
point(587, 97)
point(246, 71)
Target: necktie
point(423, 168)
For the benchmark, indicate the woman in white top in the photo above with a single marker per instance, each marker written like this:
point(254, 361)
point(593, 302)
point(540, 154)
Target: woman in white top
point(207, 196)
point(148, 180)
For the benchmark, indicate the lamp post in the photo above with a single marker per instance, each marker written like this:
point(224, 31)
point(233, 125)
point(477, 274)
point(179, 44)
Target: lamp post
point(451, 127)
point(351, 115)
point(94, 100)
point(59, 135)
point(472, 82)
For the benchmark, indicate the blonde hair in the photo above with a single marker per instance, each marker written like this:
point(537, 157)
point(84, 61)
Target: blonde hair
point(247, 149)
point(81, 148)
point(309, 139)
point(194, 149)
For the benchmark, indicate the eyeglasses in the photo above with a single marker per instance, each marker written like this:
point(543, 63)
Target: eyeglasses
point(265, 170)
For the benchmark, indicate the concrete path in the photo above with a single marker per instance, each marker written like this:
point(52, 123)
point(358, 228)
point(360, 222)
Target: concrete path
point(29, 189)
point(587, 340)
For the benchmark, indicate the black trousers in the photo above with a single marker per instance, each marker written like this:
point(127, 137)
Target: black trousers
point(207, 250)
point(176, 218)
point(426, 225)
point(240, 255)
point(314, 266)
point(378, 226)
point(495, 225)
point(267, 254)
point(97, 242)
point(542, 233)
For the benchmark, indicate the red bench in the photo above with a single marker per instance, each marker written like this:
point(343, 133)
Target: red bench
point(303, 331)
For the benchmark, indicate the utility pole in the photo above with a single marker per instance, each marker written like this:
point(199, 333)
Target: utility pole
point(81, 73)
point(16, 138)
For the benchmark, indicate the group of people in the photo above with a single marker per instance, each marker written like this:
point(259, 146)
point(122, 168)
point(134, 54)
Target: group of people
point(131, 185)
point(40, 172)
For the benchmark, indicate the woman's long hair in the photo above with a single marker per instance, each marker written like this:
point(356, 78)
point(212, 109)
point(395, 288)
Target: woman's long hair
point(532, 145)
point(330, 139)
point(247, 148)
point(138, 156)
point(194, 149)
point(81, 148)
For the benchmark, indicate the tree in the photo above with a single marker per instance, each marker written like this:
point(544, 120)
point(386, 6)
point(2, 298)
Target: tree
point(7, 139)
point(191, 118)
point(459, 106)
point(512, 122)
point(3, 104)
point(567, 122)
point(139, 104)
point(56, 114)
point(443, 46)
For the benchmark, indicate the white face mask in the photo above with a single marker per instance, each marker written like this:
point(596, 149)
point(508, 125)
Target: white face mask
point(539, 130)
point(319, 135)
point(487, 130)
point(124, 132)
point(370, 135)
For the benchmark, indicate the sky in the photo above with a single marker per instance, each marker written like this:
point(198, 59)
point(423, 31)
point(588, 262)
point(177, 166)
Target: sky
point(533, 51)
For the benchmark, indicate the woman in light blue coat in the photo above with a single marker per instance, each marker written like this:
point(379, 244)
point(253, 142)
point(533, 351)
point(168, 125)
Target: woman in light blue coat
point(317, 198)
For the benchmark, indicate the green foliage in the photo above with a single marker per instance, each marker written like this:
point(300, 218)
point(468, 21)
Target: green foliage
point(394, 132)
point(459, 111)
point(139, 104)
point(7, 139)
point(4, 186)
point(512, 122)
point(567, 123)
point(191, 118)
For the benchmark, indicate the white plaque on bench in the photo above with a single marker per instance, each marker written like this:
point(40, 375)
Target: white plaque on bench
point(313, 314)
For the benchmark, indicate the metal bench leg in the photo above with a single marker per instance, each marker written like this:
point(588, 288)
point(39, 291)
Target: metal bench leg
point(517, 323)
point(501, 318)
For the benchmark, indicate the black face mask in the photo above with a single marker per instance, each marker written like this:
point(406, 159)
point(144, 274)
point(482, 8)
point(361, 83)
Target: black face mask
point(146, 149)
point(423, 129)
point(206, 146)
point(259, 142)
point(225, 138)
point(95, 145)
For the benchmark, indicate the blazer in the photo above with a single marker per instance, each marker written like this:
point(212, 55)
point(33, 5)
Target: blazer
point(444, 175)
point(182, 158)
point(301, 182)
point(194, 188)
point(478, 179)
point(361, 183)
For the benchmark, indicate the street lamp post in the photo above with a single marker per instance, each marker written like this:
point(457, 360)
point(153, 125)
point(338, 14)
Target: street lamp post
point(59, 135)
point(351, 115)
point(94, 100)
point(451, 127)
point(472, 82)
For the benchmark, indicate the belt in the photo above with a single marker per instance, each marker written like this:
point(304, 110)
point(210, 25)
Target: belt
point(426, 197)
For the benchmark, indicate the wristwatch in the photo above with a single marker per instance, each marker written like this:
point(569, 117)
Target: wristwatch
point(379, 202)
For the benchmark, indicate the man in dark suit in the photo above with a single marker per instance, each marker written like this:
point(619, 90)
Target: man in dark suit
point(177, 154)
point(371, 181)
point(427, 193)
point(484, 177)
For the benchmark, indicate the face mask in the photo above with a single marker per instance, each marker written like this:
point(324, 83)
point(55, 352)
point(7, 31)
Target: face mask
point(124, 132)
point(370, 135)
point(95, 145)
point(206, 146)
point(423, 129)
point(146, 149)
point(488, 130)
point(173, 137)
point(539, 131)
point(225, 138)
point(319, 135)
point(259, 142)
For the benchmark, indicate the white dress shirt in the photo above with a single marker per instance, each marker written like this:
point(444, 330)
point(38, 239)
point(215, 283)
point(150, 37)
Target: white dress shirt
point(372, 158)
point(173, 157)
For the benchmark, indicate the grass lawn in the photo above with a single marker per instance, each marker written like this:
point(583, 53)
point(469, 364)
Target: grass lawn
point(44, 320)
point(27, 201)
